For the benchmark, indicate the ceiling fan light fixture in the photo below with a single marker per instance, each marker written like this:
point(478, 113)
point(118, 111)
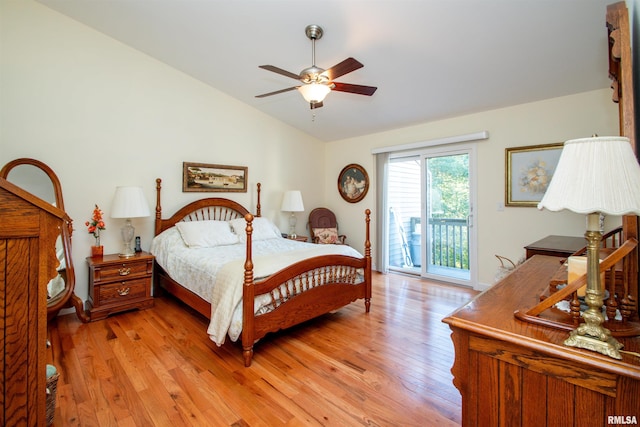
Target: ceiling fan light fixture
point(318, 82)
point(314, 92)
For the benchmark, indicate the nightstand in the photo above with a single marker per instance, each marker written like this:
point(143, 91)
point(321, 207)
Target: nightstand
point(118, 284)
point(298, 238)
point(560, 246)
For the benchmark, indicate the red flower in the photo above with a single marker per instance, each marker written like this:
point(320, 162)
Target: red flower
point(96, 224)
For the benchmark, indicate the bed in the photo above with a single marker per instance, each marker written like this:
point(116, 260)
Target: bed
point(263, 282)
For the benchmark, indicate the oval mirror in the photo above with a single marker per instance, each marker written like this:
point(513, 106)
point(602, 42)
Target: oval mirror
point(39, 179)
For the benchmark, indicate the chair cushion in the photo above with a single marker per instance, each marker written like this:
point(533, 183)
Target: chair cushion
point(326, 235)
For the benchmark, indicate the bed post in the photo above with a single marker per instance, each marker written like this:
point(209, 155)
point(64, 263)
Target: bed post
point(158, 206)
point(367, 256)
point(258, 205)
point(247, 299)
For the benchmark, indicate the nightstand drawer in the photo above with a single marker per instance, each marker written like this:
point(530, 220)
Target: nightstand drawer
point(119, 292)
point(122, 271)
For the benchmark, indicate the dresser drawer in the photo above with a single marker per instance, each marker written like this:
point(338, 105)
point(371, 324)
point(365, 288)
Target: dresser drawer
point(120, 292)
point(122, 271)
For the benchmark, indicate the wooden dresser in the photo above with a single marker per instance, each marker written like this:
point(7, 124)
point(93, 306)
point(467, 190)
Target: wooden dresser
point(29, 227)
point(513, 373)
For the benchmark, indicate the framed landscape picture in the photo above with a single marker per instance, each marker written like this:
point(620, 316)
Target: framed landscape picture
point(202, 177)
point(528, 172)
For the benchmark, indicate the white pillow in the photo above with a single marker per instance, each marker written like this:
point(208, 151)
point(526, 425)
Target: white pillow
point(206, 234)
point(262, 229)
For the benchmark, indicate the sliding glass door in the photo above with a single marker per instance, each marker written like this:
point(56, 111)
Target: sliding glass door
point(430, 197)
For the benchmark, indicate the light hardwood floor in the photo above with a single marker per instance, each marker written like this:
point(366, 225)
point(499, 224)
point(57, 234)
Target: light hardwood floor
point(157, 367)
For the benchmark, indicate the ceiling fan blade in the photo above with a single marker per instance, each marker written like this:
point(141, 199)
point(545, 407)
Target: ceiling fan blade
point(357, 89)
point(346, 66)
point(277, 92)
point(279, 71)
point(316, 105)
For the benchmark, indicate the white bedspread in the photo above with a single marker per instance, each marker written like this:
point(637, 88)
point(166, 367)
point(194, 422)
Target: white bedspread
point(217, 274)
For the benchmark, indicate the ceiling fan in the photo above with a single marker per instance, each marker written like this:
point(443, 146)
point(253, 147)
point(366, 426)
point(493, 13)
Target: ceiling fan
point(317, 82)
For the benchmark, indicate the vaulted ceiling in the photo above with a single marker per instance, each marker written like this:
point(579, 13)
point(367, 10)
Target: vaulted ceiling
point(430, 59)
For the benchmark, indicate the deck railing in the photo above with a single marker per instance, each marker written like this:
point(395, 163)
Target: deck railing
point(450, 243)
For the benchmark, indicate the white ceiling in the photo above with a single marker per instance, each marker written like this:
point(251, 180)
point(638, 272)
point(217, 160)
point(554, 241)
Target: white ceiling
point(430, 59)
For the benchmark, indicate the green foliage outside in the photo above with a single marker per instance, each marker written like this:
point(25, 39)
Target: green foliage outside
point(450, 175)
point(450, 244)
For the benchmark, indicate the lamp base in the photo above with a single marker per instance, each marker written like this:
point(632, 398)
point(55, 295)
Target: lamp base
point(591, 335)
point(127, 232)
point(292, 225)
point(604, 344)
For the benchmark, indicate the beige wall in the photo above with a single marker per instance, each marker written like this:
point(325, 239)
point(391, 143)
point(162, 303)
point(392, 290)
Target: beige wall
point(499, 232)
point(102, 114)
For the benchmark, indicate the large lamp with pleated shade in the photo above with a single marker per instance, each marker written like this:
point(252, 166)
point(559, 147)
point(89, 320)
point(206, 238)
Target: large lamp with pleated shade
point(598, 175)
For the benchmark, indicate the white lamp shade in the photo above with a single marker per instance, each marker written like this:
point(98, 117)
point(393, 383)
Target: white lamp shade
point(129, 202)
point(314, 92)
point(292, 201)
point(599, 174)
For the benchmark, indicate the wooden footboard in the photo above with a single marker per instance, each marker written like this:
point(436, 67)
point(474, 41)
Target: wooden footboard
point(303, 291)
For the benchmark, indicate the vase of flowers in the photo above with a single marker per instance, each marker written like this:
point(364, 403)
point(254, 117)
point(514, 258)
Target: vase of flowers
point(94, 226)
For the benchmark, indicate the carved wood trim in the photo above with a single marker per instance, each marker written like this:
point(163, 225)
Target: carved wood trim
point(621, 74)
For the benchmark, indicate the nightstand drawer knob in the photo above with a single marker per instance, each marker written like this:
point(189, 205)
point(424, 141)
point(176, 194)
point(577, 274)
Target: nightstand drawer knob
point(124, 291)
point(124, 271)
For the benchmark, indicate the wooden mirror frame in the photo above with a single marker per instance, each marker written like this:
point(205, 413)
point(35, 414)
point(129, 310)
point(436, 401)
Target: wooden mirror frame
point(66, 298)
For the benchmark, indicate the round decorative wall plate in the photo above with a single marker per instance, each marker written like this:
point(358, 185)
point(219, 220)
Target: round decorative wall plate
point(353, 183)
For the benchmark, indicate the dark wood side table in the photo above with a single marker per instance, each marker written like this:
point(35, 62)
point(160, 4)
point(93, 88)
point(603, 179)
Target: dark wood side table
point(118, 284)
point(298, 238)
point(559, 246)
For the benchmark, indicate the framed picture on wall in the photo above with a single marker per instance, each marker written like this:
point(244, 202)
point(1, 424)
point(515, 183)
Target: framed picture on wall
point(353, 183)
point(202, 177)
point(528, 172)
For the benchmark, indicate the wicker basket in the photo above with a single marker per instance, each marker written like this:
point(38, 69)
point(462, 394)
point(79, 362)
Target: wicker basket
point(52, 387)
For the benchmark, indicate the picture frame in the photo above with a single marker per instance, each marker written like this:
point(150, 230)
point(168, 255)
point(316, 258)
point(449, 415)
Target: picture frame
point(204, 177)
point(353, 183)
point(528, 172)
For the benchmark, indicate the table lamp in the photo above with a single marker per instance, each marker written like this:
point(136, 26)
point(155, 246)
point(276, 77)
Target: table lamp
point(598, 175)
point(292, 202)
point(128, 202)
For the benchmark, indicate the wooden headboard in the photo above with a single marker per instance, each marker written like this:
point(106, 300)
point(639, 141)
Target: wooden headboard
point(212, 208)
